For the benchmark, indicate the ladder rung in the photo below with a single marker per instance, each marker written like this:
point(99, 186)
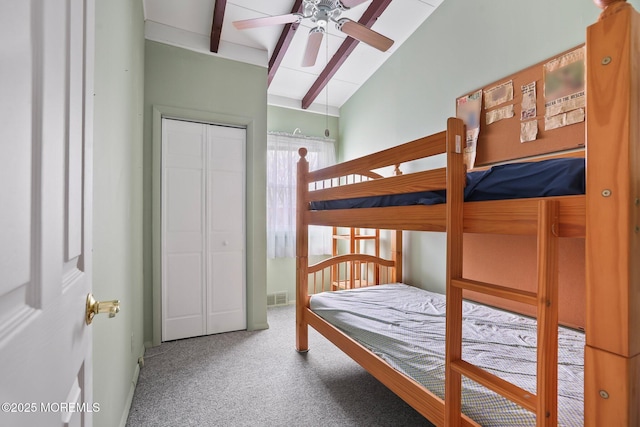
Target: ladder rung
point(497, 291)
point(512, 392)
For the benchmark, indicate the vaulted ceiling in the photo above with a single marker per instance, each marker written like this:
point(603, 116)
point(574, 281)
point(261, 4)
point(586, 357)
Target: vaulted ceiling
point(343, 63)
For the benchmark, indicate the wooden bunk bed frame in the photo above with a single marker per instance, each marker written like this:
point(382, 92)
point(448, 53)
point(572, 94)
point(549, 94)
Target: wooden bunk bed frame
point(608, 217)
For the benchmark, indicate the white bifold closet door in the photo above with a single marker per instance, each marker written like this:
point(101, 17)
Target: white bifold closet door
point(203, 229)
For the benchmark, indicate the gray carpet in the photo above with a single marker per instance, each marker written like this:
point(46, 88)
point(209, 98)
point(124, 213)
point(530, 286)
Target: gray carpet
point(258, 379)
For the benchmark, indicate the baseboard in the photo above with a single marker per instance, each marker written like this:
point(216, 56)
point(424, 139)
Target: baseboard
point(132, 390)
point(259, 326)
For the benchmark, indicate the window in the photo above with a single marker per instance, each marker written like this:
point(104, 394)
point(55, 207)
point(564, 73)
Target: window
point(282, 159)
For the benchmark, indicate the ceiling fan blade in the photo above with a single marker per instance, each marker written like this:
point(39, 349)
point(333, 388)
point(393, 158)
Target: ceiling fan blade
point(364, 34)
point(266, 21)
point(351, 3)
point(313, 47)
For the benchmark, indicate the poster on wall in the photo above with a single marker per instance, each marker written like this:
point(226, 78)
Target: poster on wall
point(564, 89)
point(468, 109)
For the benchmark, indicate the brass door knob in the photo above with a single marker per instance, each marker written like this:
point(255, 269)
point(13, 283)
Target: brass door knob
point(95, 307)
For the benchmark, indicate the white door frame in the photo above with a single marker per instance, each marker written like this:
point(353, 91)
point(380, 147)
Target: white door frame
point(160, 111)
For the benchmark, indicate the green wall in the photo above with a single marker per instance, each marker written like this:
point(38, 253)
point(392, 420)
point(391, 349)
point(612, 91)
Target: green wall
point(281, 272)
point(462, 46)
point(117, 204)
point(280, 119)
point(185, 84)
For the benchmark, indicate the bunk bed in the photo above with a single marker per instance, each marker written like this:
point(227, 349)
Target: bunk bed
point(608, 217)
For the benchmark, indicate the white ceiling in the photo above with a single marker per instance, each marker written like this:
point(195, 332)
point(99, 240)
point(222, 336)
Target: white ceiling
point(187, 23)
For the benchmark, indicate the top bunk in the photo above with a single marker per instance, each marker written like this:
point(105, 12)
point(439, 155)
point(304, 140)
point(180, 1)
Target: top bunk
point(500, 199)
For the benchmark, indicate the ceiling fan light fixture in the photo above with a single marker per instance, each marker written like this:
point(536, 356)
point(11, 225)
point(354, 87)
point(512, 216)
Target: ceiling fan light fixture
point(320, 12)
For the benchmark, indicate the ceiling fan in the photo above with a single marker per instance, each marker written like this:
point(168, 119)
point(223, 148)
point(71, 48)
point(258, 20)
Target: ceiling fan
point(321, 12)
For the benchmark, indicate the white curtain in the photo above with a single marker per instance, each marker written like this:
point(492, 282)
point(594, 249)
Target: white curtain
point(282, 159)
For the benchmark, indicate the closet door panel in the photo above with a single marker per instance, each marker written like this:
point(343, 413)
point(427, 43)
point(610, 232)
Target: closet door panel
point(183, 225)
point(225, 225)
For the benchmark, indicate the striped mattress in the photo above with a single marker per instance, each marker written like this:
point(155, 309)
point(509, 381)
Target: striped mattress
point(405, 326)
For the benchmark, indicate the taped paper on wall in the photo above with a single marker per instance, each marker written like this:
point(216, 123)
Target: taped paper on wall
point(498, 95)
point(528, 105)
point(564, 119)
point(528, 131)
point(468, 109)
point(505, 112)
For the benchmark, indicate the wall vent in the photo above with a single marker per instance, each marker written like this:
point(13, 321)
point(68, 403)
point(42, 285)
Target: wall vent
point(279, 298)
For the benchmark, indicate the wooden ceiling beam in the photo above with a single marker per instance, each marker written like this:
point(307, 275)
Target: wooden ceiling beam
point(369, 17)
point(283, 43)
point(216, 25)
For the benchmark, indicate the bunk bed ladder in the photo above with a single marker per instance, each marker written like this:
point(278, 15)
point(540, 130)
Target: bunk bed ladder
point(544, 402)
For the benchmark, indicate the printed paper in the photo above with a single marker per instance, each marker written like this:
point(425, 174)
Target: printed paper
point(499, 114)
point(468, 109)
point(498, 95)
point(529, 110)
point(528, 131)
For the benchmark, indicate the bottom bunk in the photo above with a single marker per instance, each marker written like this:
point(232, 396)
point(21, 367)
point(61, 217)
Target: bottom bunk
point(402, 329)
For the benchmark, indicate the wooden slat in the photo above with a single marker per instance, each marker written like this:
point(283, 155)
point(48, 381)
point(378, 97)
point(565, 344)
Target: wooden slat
point(547, 345)
point(479, 217)
point(430, 180)
point(421, 218)
point(396, 254)
point(512, 392)
point(349, 258)
point(504, 292)
point(520, 216)
point(456, 180)
point(417, 149)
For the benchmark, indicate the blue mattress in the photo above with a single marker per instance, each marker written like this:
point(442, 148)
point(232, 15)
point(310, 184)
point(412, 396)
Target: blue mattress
point(556, 177)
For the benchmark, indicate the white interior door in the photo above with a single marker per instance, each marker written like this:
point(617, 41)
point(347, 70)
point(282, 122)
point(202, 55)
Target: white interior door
point(45, 189)
point(203, 229)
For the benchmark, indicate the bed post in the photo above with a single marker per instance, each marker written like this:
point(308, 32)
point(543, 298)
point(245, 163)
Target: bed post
point(302, 251)
point(396, 254)
point(612, 353)
point(456, 177)
point(396, 243)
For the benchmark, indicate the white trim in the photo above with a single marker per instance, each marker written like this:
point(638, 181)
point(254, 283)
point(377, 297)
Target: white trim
point(296, 104)
point(200, 43)
point(134, 382)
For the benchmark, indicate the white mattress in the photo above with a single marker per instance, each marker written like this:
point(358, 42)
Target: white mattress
point(406, 327)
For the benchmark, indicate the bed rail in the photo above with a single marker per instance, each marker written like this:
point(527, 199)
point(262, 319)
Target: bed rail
point(331, 183)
